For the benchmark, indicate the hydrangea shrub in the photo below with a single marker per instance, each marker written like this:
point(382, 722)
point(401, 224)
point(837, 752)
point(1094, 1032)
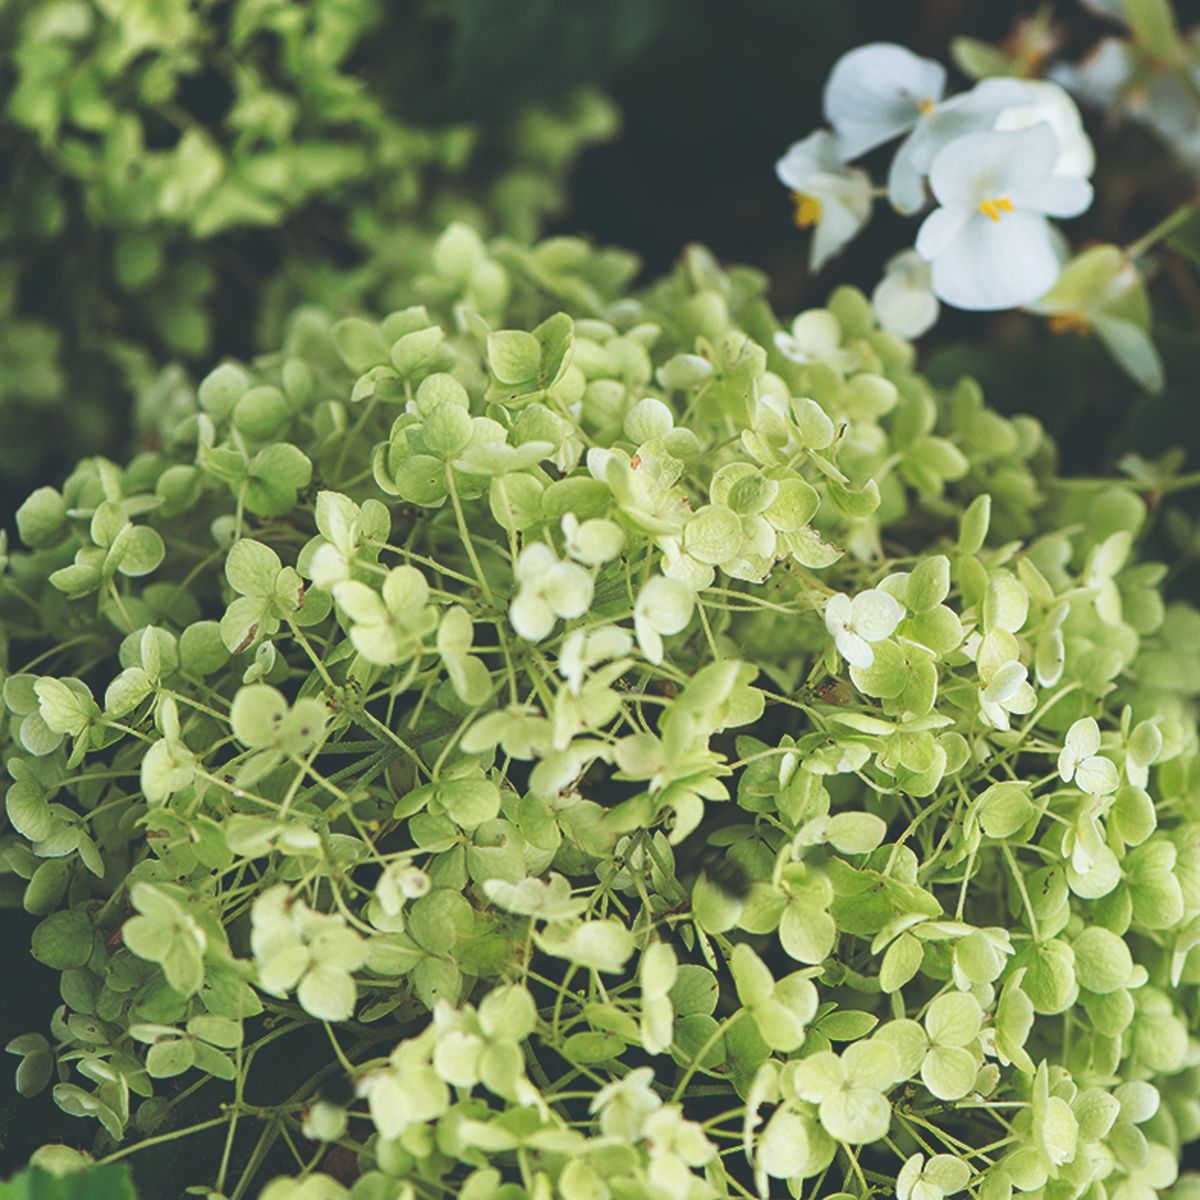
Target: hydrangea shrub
point(623, 759)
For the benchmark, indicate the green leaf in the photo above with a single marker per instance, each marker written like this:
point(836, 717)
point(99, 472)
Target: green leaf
point(63, 940)
point(109, 1182)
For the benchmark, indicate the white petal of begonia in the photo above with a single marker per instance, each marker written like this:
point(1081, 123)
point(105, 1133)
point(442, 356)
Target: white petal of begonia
point(986, 268)
point(987, 165)
point(1055, 196)
point(837, 199)
point(903, 300)
point(970, 112)
point(990, 244)
point(939, 229)
point(877, 92)
point(1052, 105)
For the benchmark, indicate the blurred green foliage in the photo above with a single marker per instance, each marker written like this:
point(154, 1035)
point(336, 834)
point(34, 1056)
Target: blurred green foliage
point(181, 174)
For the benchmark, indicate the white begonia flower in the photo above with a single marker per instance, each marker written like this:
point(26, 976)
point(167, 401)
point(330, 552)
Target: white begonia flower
point(877, 92)
point(903, 299)
point(1007, 691)
point(1079, 762)
point(664, 606)
point(990, 243)
point(837, 199)
point(870, 617)
point(816, 336)
point(1049, 103)
point(547, 589)
point(943, 1175)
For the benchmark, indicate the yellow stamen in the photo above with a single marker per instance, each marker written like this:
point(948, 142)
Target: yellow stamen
point(995, 206)
point(1070, 322)
point(926, 106)
point(808, 209)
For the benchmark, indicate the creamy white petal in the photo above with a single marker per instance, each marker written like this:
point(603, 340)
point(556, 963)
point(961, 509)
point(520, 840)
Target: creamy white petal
point(970, 112)
point(843, 214)
point(1055, 195)
point(875, 92)
point(810, 157)
point(903, 299)
point(855, 650)
point(906, 179)
point(984, 166)
point(1051, 103)
point(939, 229)
point(996, 264)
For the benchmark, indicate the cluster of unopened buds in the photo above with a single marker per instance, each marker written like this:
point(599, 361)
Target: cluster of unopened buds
point(988, 167)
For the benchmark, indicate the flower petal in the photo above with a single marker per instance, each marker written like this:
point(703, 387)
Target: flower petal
point(843, 214)
point(814, 155)
point(983, 166)
point(1055, 195)
point(874, 94)
point(938, 230)
point(996, 264)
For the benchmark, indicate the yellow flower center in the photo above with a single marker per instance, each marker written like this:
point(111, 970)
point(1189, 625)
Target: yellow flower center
point(926, 106)
point(808, 209)
point(1070, 322)
point(995, 206)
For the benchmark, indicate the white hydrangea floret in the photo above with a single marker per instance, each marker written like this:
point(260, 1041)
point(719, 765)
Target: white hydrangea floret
point(989, 242)
point(815, 336)
point(664, 607)
point(1006, 691)
point(625, 1105)
point(592, 542)
point(1080, 763)
point(943, 1175)
point(310, 952)
point(854, 624)
point(829, 195)
point(582, 651)
point(547, 589)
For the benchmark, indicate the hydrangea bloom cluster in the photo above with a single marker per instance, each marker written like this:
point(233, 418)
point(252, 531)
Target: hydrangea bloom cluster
point(597, 745)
